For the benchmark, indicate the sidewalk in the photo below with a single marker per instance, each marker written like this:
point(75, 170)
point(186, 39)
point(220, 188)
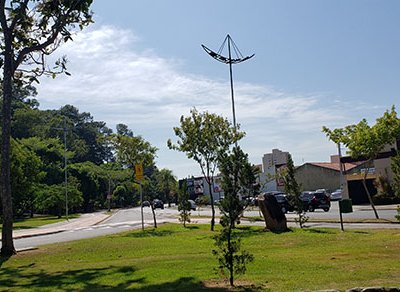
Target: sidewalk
point(85, 220)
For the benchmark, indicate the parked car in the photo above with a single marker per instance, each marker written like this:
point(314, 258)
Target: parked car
point(192, 205)
point(145, 204)
point(158, 204)
point(202, 200)
point(320, 200)
point(284, 203)
point(336, 195)
point(306, 198)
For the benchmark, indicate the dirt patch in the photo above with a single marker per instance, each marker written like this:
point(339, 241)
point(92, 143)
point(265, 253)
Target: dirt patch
point(239, 285)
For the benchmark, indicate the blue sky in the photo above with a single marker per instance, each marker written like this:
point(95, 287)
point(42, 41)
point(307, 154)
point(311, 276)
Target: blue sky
point(316, 63)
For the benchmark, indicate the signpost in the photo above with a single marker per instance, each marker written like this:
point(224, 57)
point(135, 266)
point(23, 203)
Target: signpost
point(139, 177)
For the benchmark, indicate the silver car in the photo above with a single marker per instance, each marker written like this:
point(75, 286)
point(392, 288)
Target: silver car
point(336, 195)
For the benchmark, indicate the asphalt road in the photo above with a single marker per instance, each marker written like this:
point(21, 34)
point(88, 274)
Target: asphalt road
point(128, 219)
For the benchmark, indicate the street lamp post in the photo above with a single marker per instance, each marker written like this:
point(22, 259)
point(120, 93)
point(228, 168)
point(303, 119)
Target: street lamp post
point(229, 60)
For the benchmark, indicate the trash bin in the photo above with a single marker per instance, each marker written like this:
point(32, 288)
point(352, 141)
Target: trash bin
point(346, 206)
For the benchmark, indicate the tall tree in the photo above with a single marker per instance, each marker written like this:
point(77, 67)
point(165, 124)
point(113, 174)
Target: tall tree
point(133, 150)
point(203, 136)
point(366, 142)
point(30, 31)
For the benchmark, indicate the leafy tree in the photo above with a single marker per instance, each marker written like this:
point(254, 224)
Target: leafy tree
point(366, 142)
point(183, 204)
point(30, 31)
point(166, 184)
point(26, 170)
point(237, 177)
point(123, 130)
point(292, 188)
point(396, 174)
point(133, 150)
point(93, 184)
point(203, 136)
point(50, 199)
point(150, 189)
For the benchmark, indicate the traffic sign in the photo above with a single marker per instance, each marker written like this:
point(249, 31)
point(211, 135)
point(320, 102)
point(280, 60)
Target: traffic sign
point(139, 171)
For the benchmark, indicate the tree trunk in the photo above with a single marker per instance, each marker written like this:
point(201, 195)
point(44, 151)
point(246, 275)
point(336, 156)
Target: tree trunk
point(212, 205)
point(7, 248)
point(275, 219)
point(230, 256)
point(154, 216)
point(364, 182)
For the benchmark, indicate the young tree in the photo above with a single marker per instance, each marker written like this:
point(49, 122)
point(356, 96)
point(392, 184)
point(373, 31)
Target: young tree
point(203, 136)
point(366, 142)
point(183, 204)
point(30, 31)
point(292, 188)
point(237, 178)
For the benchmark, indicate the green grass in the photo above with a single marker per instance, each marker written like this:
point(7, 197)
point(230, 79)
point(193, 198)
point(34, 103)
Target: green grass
point(172, 258)
point(38, 220)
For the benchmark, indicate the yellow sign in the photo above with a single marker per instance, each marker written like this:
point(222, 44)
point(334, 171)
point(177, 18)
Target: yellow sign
point(139, 171)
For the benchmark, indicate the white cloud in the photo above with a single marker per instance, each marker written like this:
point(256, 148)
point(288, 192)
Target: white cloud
point(117, 83)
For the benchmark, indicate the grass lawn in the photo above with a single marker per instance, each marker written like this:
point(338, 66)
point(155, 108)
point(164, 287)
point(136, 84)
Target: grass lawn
point(172, 258)
point(38, 220)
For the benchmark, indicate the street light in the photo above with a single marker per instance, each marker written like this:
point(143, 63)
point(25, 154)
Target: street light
point(229, 60)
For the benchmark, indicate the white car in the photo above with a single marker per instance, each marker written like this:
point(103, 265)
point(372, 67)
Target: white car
point(336, 195)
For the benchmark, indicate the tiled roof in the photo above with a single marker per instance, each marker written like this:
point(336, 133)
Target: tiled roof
point(335, 166)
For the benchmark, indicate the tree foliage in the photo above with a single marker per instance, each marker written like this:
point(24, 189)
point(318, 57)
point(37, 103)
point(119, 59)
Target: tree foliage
point(292, 188)
point(203, 136)
point(167, 185)
point(30, 31)
point(366, 142)
point(183, 204)
point(396, 174)
point(238, 177)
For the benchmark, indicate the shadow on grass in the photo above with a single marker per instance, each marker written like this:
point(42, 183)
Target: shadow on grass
point(3, 260)
point(313, 230)
point(192, 227)
point(181, 284)
point(96, 279)
point(360, 232)
point(24, 278)
point(150, 233)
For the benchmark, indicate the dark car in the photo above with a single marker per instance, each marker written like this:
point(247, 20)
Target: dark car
point(158, 204)
point(283, 201)
point(306, 198)
point(320, 200)
point(146, 204)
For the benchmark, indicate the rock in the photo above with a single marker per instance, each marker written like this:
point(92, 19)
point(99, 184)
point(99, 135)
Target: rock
point(275, 219)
